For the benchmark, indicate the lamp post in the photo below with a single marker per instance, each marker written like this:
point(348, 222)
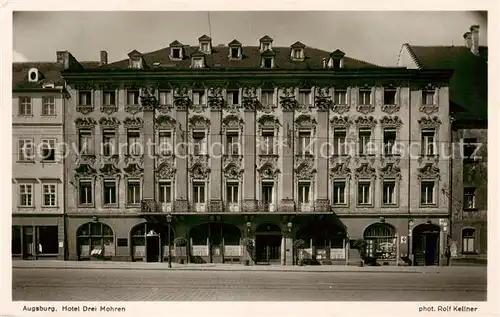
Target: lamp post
point(287, 235)
point(169, 220)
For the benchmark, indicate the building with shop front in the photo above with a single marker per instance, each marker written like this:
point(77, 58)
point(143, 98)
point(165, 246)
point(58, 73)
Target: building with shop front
point(37, 169)
point(469, 108)
point(243, 150)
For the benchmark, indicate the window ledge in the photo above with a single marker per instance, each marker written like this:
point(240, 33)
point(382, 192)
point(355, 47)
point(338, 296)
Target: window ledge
point(469, 253)
point(26, 207)
point(108, 206)
point(25, 115)
point(471, 209)
point(365, 205)
point(428, 205)
point(49, 115)
point(25, 162)
point(50, 207)
point(49, 162)
point(85, 205)
point(138, 205)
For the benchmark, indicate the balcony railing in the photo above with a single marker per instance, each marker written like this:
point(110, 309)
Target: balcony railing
point(263, 206)
point(150, 205)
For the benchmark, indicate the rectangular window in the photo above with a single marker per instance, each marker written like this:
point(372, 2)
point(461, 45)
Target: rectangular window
point(199, 98)
point(304, 142)
point(304, 192)
point(176, 53)
point(85, 98)
point(364, 192)
point(109, 192)
point(339, 192)
point(235, 52)
point(199, 192)
point(428, 97)
point(109, 98)
point(267, 142)
point(389, 194)
point(136, 63)
point(340, 97)
point(85, 142)
point(297, 54)
point(470, 146)
point(25, 107)
point(85, 192)
point(428, 145)
point(468, 240)
point(268, 62)
point(48, 150)
point(365, 97)
point(198, 62)
point(267, 192)
point(132, 97)
point(165, 191)
point(165, 142)
point(108, 142)
point(199, 143)
point(49, 195)
point(305, 97)
point(469, 198)
point(48, 106)
point(165, 98)
point(26, 150)
point(389, 97)
point(26, 195)
point(336, 63)
point(427, 193)
point(266, 46)
point(365, 136)
point(339, 142)
point(204, 47)
point(389, 141)
point(232, 192)
point(232, 143)
point(267, 97)
point(134, 142)
point(134, 192)
point(233, 97)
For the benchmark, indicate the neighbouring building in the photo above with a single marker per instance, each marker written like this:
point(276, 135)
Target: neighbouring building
point(255, 148)
point(37, 168)
point(469, 109)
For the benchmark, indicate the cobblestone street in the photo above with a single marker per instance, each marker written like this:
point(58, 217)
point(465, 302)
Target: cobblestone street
point(115, 284)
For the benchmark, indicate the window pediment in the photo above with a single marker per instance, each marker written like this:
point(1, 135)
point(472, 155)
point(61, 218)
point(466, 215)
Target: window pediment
point(365, 171)
point(85, 122)
point(340, 170)
point(133, 122)
point(428, 171)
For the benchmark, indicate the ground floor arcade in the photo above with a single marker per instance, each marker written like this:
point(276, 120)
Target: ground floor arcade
point(252, 239)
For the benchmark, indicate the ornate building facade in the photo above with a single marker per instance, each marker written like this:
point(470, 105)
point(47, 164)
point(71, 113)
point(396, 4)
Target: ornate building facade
point(243, 150)
point(469, 108)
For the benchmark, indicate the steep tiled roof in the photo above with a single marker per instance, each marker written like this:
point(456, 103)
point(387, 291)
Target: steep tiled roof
point(469, 83)
point(251, 59)
point(50, 72)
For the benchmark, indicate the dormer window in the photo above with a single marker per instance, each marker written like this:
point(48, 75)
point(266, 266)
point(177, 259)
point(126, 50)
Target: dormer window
point(266, 43)
point(197, 62)
point(234, 49)
point(297, 51)
point(205, 44)
point(176, 50)
point(135, 59)
point(336, 59)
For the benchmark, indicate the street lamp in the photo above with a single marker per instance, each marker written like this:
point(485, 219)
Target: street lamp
point(169, 220)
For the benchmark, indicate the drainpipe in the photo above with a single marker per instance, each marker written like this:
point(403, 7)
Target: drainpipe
point(65, 217)
point(410, 236)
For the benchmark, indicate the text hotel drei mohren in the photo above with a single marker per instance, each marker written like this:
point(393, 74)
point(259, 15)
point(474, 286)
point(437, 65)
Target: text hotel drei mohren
point(79, 308)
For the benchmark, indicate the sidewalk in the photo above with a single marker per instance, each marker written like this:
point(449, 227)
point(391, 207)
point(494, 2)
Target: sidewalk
point(99, 265)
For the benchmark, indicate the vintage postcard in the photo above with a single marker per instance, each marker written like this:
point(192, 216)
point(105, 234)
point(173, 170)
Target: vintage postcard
point(305, 161)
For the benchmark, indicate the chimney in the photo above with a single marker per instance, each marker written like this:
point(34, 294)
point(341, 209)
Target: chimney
point(60, 57)
point(104, 58)
point(474, 39)
point(468, 39)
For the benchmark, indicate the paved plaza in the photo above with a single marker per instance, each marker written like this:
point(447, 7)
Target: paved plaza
point(145, 282)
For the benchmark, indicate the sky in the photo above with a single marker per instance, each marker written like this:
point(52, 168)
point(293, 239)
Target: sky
point(374, 36)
